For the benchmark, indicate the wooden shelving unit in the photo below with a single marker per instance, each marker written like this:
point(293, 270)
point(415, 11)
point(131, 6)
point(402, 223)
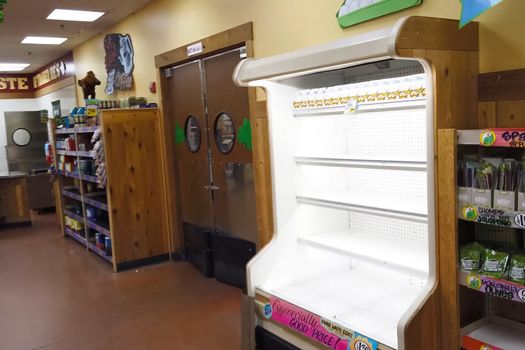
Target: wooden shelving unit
point(130, 209)
point(487, 312)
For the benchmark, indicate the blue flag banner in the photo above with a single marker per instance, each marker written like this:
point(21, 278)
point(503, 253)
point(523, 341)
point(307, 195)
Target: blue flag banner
point(473, 8)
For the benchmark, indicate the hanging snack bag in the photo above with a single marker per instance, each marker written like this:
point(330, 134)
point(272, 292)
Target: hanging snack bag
point(495, 263)
point(472, 256)
point(517, 269)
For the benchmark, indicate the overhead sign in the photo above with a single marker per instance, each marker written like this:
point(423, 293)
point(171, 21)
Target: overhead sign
point(16, 83)
point(53, 72)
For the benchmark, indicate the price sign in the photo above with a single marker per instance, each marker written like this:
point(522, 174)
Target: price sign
point(91, 112)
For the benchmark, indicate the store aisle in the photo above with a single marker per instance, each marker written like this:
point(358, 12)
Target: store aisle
point(53, 296)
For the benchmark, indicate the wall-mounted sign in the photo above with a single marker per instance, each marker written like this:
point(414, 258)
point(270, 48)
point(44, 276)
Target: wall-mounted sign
point(53, 72)
point(194, 49)
point(16, 83)
point(119, 62)
point(357, 11)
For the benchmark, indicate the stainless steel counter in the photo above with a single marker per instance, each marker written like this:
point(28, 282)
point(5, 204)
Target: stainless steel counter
point(12, 175)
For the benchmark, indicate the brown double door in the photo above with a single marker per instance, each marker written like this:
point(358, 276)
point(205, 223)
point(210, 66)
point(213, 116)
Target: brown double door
point(214, 170)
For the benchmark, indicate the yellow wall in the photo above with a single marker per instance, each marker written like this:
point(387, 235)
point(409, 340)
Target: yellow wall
point(280, 26)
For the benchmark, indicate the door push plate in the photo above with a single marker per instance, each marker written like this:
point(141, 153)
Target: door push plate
point(211, 188)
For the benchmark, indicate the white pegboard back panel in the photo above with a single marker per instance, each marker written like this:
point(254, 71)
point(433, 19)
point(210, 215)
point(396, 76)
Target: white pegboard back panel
point(391, 228)
point(377, 135)
point(315, 179)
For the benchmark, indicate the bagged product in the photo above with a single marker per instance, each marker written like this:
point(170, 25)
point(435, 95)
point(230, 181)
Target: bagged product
point(517, 269)
point(471, 257)
point(495, 263)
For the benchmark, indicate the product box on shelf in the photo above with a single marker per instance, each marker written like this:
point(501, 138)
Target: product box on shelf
point(482, 198)
point(504, 200)
point(464, 197)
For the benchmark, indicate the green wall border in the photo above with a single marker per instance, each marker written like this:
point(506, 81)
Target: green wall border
point(379, 9)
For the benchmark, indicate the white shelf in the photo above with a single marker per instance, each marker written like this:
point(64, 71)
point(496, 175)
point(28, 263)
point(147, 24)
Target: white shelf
point(392, 205)
point(387, 105)
point(365, 301)
point(495, 331)
point(341, 161)
point(376, 248)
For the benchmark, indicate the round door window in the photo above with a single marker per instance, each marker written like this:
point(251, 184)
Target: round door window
point(21, 137)
point(192, 130)
point(224, 133)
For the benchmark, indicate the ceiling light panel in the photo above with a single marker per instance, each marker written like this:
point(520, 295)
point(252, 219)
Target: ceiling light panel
point(43, 40)
point(75, 15)
point(13, 67)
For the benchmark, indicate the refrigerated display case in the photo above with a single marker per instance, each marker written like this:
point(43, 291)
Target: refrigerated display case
point(353, 260)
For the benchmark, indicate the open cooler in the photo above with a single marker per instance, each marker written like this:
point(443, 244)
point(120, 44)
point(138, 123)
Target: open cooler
point(351, 130)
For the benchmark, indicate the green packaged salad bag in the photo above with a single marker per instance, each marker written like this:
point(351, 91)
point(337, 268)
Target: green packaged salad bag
point(471, 257)
point(495, 263)
point(517, 268)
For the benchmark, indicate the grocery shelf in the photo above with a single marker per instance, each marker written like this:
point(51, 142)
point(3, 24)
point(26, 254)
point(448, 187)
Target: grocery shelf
point(493, 333)
point(97, 200)
point(359, 299)
point(73, 215)
point(413, 103)
point(98, 228)
point(413, 209)
point(79, 130)
point(88, 154)
point(90, 178)
point(498, 137)
point(491, 216)
point(74, 195)
point(100, 252)
point(375, 248)
point(362, 163)
point(75, 236)
point(493, 286)
point(69, 174)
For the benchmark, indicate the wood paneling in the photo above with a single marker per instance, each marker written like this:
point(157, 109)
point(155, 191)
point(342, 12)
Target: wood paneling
point(454, 59)
point(263, 179)
point(487, 115)
point(437, 34)
point(510, 114)
point(421, 331)
point(15, 95)
point(229, 38)
point(506, 85)
point(136, 184)
point(447, 241)
point(14, 207)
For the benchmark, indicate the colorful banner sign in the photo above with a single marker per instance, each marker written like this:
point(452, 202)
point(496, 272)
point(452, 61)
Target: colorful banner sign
point(514, 138)
point(493, 216)
point(469, 343)
point(473, 8)
point(315, 327)
point(496, 287)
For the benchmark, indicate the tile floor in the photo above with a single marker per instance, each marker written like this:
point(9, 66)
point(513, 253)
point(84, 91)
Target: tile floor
point(56, 296)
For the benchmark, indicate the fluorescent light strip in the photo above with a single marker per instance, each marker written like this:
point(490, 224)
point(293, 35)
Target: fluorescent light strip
point(13, 67)
point(75, 15)
point(43, 40)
